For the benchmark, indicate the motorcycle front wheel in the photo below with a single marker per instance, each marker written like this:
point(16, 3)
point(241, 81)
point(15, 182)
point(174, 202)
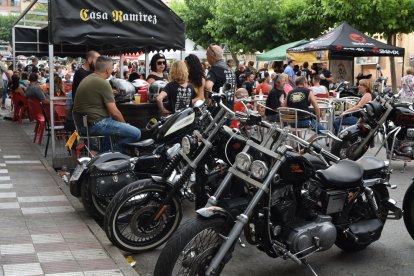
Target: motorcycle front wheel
point(133, 221)
point(191, 249)
point(408, 207)
point(346, 148)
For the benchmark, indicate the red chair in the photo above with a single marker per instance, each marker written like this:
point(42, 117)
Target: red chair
point(20, 106)
point(322, 96)
point(35, 113)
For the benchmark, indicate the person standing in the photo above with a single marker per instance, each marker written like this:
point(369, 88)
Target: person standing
point(86, 69)
point(290, 72)
point(32, 68)
point(3, 82)
point(94, 98)
point(240, 75)
point(158, 67)
point(306, 72)
point(325, 75)
point(219, 74)
point(407, 91)
point(196, 75)
point(179, 91)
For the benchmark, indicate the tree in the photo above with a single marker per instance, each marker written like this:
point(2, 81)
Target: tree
point(6, 22)
point(388, 17)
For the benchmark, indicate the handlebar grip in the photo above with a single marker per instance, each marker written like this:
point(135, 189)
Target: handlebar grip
point(330, 156)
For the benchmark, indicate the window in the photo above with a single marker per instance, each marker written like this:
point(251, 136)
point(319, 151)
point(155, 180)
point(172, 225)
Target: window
point(15, 3)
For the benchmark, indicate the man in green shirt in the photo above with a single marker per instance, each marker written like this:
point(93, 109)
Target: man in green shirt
point(95, 99)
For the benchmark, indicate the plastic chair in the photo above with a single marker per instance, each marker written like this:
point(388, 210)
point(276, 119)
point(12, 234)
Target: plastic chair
point(20, 107)
point(81, 121)
point(59, 129)
point(36, 114)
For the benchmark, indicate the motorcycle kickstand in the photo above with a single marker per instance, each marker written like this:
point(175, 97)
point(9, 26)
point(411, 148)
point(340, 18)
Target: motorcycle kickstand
point(305, 262)
point(404, 166)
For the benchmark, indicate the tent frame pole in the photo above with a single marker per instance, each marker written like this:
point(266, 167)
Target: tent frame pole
point(14, 48)
point(52, 98)
point(146, 63)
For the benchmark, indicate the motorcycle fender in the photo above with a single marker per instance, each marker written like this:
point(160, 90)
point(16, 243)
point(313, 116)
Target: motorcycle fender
point(108, 156)
point(75, 187)
point(213, 211)
point(159, 180)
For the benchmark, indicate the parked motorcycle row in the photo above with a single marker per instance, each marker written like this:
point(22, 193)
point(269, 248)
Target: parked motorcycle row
point(286, 203)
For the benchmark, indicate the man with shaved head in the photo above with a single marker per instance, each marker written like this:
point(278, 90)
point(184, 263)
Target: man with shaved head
point(220, 73)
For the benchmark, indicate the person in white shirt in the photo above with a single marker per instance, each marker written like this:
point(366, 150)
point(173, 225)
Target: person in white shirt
point(319, 90)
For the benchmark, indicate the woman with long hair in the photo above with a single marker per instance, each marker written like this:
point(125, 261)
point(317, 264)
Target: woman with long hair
point(179, 91)
point(158, 68)
point(365, 89)
point(196, 75)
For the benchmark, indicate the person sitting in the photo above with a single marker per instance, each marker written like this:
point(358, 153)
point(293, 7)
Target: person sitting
point(264, 87)
point(249, 83)
point(34, 91)
point(158, 68)
point(94, 98)
point(407, 91)
point(302, 97)
point(365, 88)
point(319, 90)
point(275, 99)
point(286, 87)
point(179, 91)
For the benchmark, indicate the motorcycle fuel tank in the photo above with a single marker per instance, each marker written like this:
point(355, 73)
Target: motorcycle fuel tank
point(176, 124)
point(403, 116)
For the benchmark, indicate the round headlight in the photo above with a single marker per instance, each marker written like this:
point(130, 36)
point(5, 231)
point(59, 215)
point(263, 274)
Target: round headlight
point(186, 145)
point(243, 161)
point(259, 169)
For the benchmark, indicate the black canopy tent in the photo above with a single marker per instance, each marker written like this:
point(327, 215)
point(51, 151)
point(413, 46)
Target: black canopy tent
point(110, 27)
point(344, 40)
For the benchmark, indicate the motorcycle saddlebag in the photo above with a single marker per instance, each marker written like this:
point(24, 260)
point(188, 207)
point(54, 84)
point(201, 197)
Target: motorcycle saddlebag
point(367, 230)
point(108, 178)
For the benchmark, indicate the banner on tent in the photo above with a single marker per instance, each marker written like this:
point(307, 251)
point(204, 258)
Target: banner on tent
point(311, 57)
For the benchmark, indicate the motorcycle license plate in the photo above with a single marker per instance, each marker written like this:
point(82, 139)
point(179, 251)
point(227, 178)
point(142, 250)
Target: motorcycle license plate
point(77, 172)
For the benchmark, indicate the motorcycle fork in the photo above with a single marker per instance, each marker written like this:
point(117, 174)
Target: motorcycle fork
point(243, 218)
point(191, 165)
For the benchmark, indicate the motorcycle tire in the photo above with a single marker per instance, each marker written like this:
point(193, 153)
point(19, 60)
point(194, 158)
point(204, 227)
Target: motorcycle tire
point(194, 244)
point(346, 148)
point(408, 207)
point(126, 219)
point(95, 206)
point(347, 243)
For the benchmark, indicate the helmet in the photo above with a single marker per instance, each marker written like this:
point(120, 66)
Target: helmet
point(139, 83)
point(155, 88)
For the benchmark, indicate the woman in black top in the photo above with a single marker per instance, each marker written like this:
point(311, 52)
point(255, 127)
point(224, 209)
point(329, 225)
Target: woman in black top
point(179, 91)
point(275, 99)
point(196, 75)
point(158, 68)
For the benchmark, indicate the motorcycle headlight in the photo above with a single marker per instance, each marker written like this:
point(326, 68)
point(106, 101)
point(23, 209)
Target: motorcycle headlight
point(188, 144)
point(243, 161)
point(259, 169)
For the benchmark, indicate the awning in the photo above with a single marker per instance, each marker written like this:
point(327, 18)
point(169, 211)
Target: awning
point(278, 53)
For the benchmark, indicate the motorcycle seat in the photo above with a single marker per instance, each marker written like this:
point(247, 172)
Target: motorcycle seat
point(141, 144)
point(371, 165)
point(113, 166)
point(344, 174)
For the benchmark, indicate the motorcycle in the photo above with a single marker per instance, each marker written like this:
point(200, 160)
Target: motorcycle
point(98, 179)
point(391, 119)
point(345, 89)
point(287, 211)
point(144, 214)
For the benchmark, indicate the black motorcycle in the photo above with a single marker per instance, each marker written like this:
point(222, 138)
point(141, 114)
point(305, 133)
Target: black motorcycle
point(144, 214)
point(384, 116)
point(345, 89)
point(288, 210)
point(98, 179)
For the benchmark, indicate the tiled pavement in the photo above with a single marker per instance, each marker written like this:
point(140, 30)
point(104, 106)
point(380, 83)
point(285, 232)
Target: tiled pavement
point(44, 231)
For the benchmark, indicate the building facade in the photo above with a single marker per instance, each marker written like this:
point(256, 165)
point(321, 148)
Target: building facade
point(10, 7)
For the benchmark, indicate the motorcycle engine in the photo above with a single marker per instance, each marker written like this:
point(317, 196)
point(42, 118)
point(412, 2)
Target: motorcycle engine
point(307, 237)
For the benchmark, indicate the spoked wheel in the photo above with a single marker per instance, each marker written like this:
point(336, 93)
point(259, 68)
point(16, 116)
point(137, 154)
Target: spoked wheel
point(134, 220)
point(191, 248)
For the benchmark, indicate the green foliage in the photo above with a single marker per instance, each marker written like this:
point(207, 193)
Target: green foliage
point(6, 22)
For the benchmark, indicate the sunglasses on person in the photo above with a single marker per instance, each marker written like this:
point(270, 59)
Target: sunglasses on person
point(211, 48)
point(161, 62)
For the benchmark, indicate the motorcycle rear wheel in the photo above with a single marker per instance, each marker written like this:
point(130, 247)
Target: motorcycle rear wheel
point(191, 248)
point(408, 207)
point(95, 206)
point(127, 219)
point(347, 243)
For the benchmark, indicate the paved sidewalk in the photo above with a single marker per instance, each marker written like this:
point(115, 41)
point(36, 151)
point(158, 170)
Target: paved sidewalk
point(44, 230)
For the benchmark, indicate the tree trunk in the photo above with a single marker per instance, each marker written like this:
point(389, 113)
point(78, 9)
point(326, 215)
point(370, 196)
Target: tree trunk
point(234, 57)
point(392, 41)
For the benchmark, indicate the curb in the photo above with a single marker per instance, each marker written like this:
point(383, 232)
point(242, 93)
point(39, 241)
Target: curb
point(113, 252)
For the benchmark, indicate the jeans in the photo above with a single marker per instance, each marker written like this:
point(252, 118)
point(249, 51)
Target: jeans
point(109, 127)
point(4, 92)
point(346, 121)
point(311, 123)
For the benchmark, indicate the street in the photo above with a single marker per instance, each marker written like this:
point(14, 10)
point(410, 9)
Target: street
point(390, 255)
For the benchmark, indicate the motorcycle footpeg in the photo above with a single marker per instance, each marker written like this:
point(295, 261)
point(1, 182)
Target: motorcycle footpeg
point(394, 212)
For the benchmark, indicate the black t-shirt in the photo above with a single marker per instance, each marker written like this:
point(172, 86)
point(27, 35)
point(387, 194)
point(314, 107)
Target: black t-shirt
point(306, 73)
point(179, 97)
point(273, 101)
point(80, 74)
point(240, 77)
point(220, 74)
point(156, 78)
point(299, 98)
point(31, 68)
point(248, 86)
point(327, 74)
